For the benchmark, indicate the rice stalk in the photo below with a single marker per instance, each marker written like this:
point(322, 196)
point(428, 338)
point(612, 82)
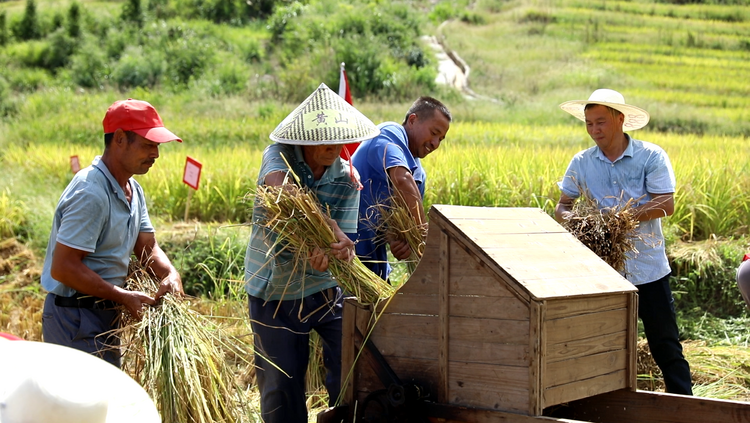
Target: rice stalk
point(177, 355)
point(608, 232)
point(395, 221)
point(295, 215)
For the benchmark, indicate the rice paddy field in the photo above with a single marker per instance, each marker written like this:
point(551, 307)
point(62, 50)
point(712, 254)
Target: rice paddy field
point(509, 145)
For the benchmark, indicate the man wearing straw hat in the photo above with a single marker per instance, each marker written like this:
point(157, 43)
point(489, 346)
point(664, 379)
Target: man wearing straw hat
point(390, 164)
point(621, 168)
point(290, 296)
point(100, 221)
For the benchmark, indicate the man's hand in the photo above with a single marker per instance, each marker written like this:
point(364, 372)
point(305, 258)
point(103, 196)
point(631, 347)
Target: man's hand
point(172, 284)
point(134, 302)
point(399, 248)
point(319, 259)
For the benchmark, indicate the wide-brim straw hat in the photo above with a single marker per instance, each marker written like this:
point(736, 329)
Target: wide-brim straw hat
point(324, 118)
point(635, 117)
point(41, 382)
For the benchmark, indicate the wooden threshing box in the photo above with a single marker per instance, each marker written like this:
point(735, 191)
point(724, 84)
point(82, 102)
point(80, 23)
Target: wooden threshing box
point(506, 311)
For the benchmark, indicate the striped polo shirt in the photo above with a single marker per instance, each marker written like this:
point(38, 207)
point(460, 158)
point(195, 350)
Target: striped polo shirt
point(275, 275)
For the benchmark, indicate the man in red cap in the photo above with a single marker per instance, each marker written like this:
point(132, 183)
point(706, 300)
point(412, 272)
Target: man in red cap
point(100, 220)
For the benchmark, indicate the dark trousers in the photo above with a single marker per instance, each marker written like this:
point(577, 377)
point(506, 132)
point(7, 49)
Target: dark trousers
point(656, 310)
point(85, 329)
point(282, 351)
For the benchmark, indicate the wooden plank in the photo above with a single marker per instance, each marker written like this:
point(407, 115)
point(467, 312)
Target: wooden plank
point(510, 308)
point(490, 353)
point(589, 346)
point(586, 325)
point(626, 406)
point(508, 226)
point(444, 413)
point(425, 276)
point(587, 367)
point(490, 330)
point(489, 386)
point(406, 326)
point(403, 303)
point(444, 319)
point(584, 388)
point(420, 371)
point(348, 352)
point(467, 269)
point(453, 212)
point(633, 342)
point(538, 348)
point(565, 307)
point(399, 346)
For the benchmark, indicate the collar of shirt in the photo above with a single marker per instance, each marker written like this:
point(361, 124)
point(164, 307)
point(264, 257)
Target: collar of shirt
point(627, 153)
point(114, 186)
point(333, 172)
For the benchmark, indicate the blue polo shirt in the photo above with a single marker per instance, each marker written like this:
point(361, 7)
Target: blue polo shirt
point(93, 215)
point(641, 170)
point(372, 159)
point(276, 275)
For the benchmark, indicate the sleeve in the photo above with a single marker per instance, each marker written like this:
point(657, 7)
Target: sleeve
point(273, 162)
point(660, 177)
point(387, 153)
point(573, 180)
point(84, 211)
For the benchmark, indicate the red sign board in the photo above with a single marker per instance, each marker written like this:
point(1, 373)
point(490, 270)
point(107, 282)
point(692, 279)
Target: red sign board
point(192, 174)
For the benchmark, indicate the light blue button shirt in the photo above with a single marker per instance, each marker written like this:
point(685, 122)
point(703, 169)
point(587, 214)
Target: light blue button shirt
point(641, 170)
point(277, 275)
point(93, 215)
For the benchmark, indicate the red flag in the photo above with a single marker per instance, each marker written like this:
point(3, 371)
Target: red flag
point(348, 150)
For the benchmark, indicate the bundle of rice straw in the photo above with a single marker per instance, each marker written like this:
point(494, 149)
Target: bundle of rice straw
point(300, 224)
point(177, 355)
point(608, 232)
point(396, 221)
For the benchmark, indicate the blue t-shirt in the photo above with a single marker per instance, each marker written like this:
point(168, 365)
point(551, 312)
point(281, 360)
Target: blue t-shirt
point(93, 215)
point(276, 275)
point(372, 159)
point(642, 169)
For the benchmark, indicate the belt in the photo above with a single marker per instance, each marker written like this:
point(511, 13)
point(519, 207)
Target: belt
point(84, 301)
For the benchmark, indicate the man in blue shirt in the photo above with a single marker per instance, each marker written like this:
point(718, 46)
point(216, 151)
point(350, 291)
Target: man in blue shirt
point(289, 297)
point(620, 168)
point(100, 221)
point(390, 164)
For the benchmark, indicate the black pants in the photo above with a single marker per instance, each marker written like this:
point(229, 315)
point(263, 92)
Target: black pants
point(656, 310)
point(282, 350)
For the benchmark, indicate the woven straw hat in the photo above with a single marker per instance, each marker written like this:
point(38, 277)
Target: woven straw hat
point(41, 382)
point(635, 117)
point(324, 118)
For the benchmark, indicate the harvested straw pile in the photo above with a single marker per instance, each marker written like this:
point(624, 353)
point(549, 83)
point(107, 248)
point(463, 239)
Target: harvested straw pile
point(396, 221)
point(295, 215)
point(608, 232)
point(177, 356)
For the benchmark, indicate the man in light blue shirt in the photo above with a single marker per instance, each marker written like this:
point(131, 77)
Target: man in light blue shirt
point(390, 164)
point(100, 221)
point(621, 168)
point(290, 296)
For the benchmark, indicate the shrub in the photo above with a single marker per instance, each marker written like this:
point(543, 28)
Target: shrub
point(132, 13)
point(138, 68)
point(89, 67)
point(28, 27)
point(58, 50)
point(29, 80)
point(74, 20)
point(3, 28)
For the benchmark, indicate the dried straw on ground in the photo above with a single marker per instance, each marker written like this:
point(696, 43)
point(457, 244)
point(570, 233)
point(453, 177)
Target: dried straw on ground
point(295, 216)
point(396, 221)
point(177, 355)
point(608, 232)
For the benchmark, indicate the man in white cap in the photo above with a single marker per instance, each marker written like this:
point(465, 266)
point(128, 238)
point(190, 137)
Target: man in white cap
point(100, 221)
point(288, 299)
point(620, 168)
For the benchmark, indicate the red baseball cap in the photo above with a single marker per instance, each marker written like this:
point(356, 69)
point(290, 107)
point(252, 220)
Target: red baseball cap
point(139, 117)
